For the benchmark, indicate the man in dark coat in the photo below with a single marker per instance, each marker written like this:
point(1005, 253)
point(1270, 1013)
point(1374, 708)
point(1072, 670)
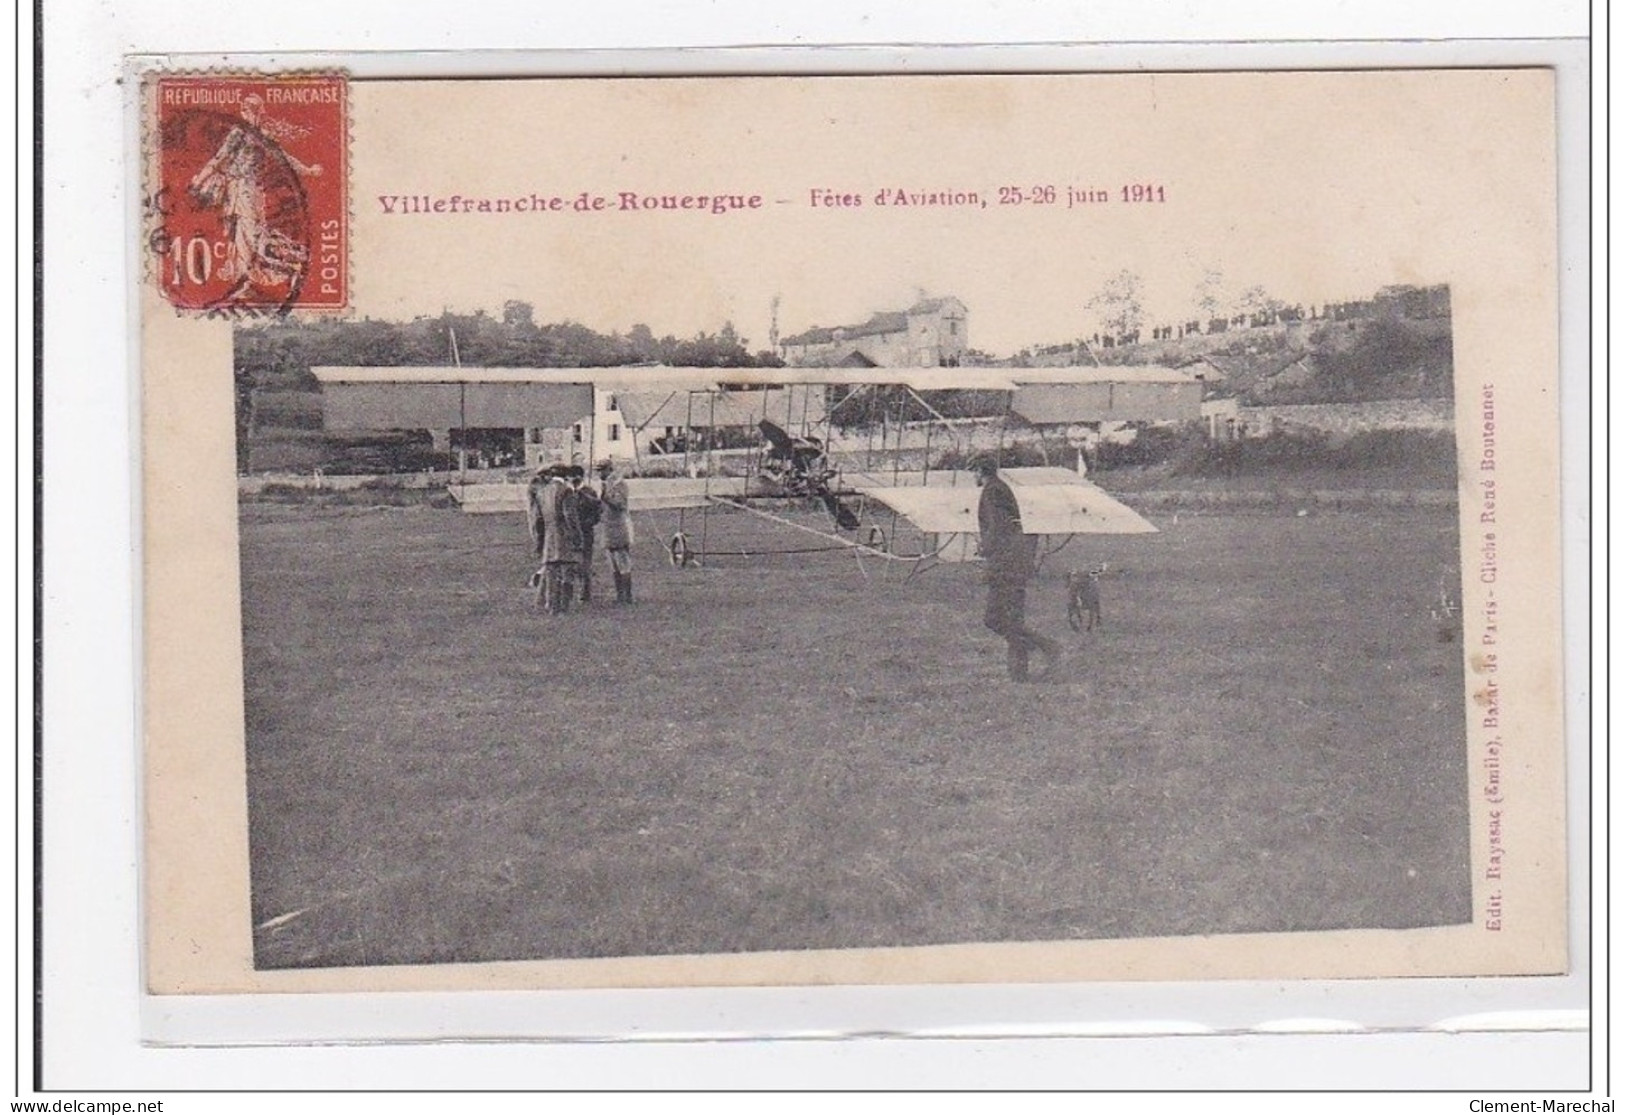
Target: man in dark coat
point(588, 510)
point(561, 542)
point(1011, 558)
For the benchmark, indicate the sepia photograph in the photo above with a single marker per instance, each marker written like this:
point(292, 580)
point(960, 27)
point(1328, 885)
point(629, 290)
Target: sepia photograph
point(784, 519)
point(609, 644)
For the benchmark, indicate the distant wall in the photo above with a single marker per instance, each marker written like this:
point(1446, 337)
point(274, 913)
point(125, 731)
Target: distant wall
point(1352, 418)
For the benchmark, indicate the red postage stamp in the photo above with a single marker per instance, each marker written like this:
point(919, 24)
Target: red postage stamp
point(248, 208)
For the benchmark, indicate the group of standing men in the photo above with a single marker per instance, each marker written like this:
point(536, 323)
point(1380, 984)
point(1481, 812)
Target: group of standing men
point(564, 513)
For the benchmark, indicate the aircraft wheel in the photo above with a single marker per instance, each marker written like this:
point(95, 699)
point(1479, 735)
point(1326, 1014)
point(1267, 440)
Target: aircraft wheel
point(681, 555)
point(876, 539)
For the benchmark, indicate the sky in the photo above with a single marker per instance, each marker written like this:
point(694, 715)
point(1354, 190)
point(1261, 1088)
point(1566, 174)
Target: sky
point(1316, 187)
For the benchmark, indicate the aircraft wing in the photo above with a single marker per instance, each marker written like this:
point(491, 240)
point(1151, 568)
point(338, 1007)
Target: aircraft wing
point(1052, 501)
point(654, 494)
point(934, 510)
point(1079, 508)
point(1059, 501)
point(651, 494)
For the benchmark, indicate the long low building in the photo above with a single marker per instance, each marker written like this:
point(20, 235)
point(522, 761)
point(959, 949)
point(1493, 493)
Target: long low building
point(627, 412)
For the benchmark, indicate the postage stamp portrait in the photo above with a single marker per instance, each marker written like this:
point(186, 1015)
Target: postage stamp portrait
point(249, 210)
point(629, 532)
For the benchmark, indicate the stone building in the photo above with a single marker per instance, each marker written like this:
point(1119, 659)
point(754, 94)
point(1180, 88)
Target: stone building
point(931, 333)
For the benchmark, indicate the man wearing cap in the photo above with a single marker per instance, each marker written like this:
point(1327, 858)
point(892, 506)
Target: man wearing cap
point(617, 524)
point(561, 542)
point(1011, 558)
point(588, 510)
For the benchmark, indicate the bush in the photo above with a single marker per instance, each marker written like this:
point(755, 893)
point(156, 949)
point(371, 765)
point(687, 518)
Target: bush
point(1427, 451)
point(1381, 360)
point(293, 410)
point(1282, 452)
point(1427, 455)
point(1154, 445)
point(1012, 456)
point(289, 450)
point(660, 468)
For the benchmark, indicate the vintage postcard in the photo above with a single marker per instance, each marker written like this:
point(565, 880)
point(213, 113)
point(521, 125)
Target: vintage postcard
point(792, 530)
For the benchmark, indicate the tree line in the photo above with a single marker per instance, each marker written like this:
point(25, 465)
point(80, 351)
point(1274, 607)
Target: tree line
point(279, 355)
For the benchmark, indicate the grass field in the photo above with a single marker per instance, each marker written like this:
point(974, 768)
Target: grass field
point(781, 753)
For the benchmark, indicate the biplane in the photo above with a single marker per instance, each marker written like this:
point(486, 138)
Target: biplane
point(859, 457)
